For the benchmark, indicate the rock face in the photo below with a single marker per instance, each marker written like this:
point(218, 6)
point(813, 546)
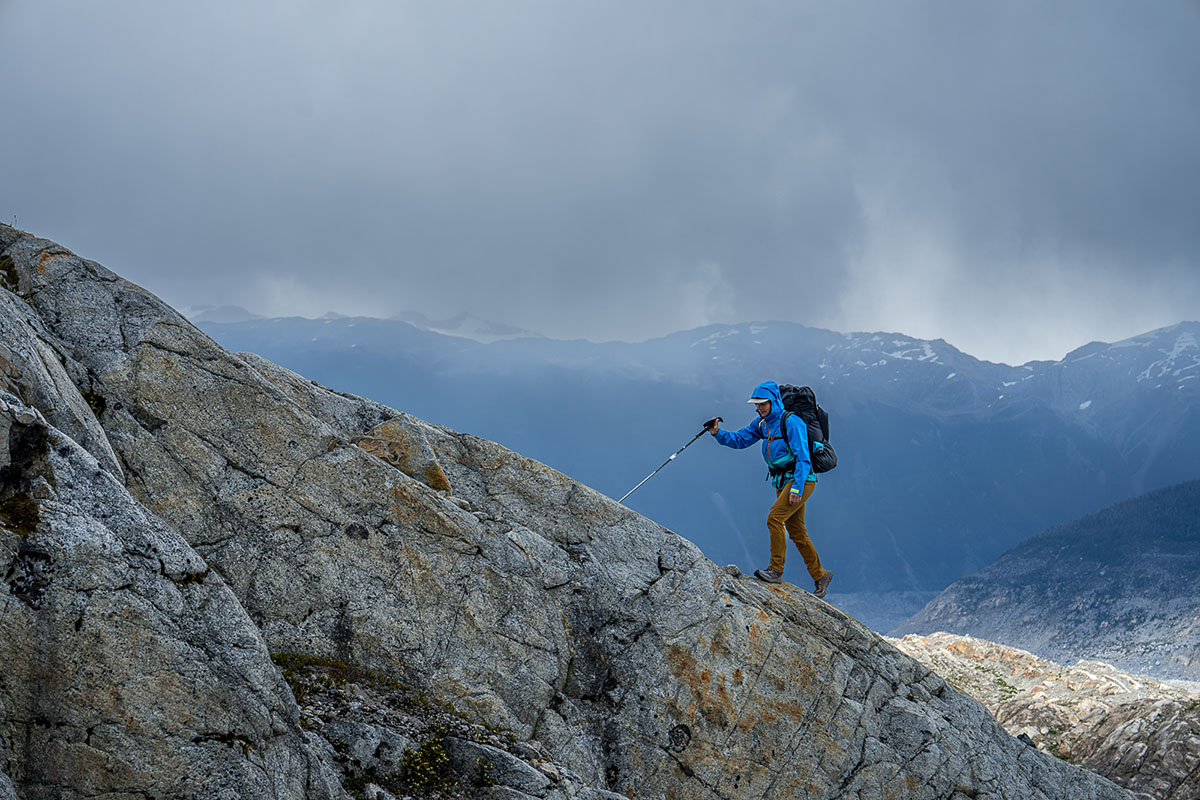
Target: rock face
point(1136, 731)
point(215, 507)
point(127, 661)
point(1121, 586)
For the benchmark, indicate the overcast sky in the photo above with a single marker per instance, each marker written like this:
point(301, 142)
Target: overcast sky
point(1018, 178)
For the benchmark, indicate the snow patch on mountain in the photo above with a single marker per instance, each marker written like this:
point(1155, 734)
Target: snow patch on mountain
point(1183, 356)
point(913, 351)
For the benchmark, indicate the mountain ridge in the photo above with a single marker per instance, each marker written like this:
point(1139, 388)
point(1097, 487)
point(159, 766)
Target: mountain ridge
point(916, 422)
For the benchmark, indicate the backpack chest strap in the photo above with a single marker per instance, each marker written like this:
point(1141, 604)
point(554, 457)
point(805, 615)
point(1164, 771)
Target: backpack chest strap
point(782, 430)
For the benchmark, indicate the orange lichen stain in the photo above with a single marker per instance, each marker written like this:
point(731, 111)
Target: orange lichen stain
point(738, 678)
point(791, 710)
point(435, 478)
point(44, 258)
point(419, 567)
point(763, 715)
point(404, 497)
point(767, 711)
point(681, 661)
point(714, 705)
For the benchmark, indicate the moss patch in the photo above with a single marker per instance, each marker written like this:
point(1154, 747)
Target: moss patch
point(304, 672)
point(28, 450)
point(19, 513)
point(96, 403)
point(191, 577)
point(425, 771)
point(328, 689)
point(8, 274)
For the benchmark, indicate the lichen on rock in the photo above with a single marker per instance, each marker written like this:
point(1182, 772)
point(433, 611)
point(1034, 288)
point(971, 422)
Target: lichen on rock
point(402, 444)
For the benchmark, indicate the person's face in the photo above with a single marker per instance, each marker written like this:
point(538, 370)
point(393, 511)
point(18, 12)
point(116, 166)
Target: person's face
point(763, 408)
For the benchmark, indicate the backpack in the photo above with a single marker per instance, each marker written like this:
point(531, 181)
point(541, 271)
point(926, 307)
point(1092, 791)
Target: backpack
point(802, 401)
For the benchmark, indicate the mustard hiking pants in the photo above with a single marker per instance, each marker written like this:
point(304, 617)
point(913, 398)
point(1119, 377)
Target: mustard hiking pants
point(784, 516)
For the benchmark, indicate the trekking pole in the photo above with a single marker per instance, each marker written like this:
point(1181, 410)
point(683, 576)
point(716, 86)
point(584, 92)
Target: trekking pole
point(703, 431)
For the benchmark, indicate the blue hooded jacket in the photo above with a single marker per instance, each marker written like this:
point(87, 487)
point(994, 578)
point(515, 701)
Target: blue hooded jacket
point(776, 450)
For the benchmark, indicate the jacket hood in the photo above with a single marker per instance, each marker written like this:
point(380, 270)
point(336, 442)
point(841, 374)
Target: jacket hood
point(770, 389)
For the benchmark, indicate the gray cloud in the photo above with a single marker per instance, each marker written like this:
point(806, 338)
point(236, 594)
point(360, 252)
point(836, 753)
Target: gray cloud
point(1017, 178)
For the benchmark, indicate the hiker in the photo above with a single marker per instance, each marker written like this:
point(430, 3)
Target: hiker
point(787, 459)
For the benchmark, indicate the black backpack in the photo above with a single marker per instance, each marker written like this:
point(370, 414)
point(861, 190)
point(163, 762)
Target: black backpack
point(802, 401)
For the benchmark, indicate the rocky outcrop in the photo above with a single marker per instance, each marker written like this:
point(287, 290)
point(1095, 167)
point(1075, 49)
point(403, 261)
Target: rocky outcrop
point(1138, 732)
point(127, 662)
point(273, 511)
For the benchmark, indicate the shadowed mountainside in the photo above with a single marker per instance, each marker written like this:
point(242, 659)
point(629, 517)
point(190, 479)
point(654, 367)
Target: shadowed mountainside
point(1121, 586)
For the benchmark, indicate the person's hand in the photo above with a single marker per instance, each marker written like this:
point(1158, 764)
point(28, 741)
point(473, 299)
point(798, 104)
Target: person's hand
point(793, 498)
point(711, 426)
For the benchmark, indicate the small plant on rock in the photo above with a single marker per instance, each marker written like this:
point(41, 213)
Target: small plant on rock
point(426, 768)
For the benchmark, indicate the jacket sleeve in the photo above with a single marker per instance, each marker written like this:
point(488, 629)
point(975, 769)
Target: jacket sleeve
point(798, 444)
point(739, 439)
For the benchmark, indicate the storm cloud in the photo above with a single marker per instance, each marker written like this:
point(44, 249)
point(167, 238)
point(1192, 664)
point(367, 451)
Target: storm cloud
point(1018, 178)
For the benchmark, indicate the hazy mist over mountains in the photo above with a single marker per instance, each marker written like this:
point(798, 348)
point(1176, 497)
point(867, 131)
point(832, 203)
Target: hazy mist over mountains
point(946, 461)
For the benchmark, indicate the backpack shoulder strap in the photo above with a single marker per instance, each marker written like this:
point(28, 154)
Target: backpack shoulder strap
point(783, 429)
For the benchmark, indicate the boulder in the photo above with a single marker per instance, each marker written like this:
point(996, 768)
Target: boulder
point(367, 749)
point(483, 764)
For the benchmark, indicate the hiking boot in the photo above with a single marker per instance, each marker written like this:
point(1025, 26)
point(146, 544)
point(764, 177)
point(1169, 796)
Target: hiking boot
point(823, 584)
point(769, 575)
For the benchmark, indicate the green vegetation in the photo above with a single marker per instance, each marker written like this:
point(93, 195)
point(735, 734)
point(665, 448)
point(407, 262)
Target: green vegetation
point(28, 447)
point(192, 577)
point(304, 672)
point(1165, 521)
point(19, 513)
point(8, 274)
point(96, 402)
point(424, 772)
point(1006, 688)
point(427, 767)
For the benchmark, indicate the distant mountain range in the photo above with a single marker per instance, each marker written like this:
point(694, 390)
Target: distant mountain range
point(464, 326)
point(946, 461)
point(1121, 585)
